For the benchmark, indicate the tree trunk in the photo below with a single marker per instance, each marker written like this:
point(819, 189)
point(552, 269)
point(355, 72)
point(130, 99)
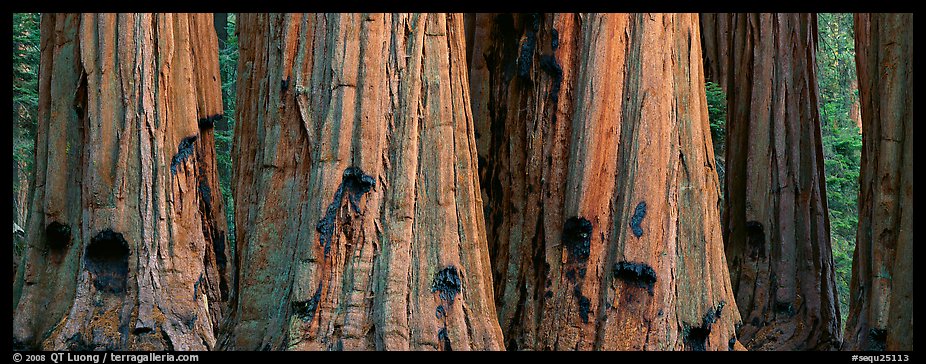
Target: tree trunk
point(716, 40)
point(20, 212)
point(855, 110)
point(596, 165)
point(20, 194)
point(125, 243)
point(356, 195)
point(776, 221)
point(881, 305)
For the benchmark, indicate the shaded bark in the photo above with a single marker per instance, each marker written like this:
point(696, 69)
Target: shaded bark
point(123, 243)
point(776, 222)
point(357, 198)
point(597, 172)
point(881, 302)
point(716, 40)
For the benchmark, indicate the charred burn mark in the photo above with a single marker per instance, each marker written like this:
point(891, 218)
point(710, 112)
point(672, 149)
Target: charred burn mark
point(526, 58)
point(208, 122)
point(284, 84)
point(549, 65)
point(196, 286)
point(444, 338)
point(547, 283)
point(877, 339)
point(356, 184)
point(732, 344)
point(447, 283)
point(184, 151)
point(168, 343)
point(785, 308)
point(218, 249)
point(577, 232)
point(554, 39)
point(638, 214)
point(305, 310)
point(695, 337)
point(584, 308)
point(205, 193)
point(439, 312)
point(142, 331)
point(583, 302)
point(571, 275)
point(755, 239)
point(107, 260)
point(58, 235)
point(638, 274)
point(548, 294)
point(190, 321)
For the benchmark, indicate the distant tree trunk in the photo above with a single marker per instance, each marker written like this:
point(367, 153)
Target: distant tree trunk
point(20, 192)
point(125, 243)
point(358, 211)
point(776, 220)
point(221, 28)
point(20, 198)
point(855, 110)
point(881, 301)
point(595, 160)
point(716, 44)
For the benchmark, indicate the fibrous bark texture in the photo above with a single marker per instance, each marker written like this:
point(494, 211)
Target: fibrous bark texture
point(125, 240)
point(715, 41)
point(357, 197)
point(597, 172)
point(776, 223)
point(881, 305)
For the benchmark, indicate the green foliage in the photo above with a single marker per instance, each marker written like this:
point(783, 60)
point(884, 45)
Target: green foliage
point(717, 115)
point(26, 53)
point(228, 67)
point(842, 141)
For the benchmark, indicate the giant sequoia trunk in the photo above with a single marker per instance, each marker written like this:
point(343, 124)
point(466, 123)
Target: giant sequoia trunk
point(776, 222)
point(716, 43)
point(881, 305)
point(357, 198)
point(125, 243)
point(596, 165)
